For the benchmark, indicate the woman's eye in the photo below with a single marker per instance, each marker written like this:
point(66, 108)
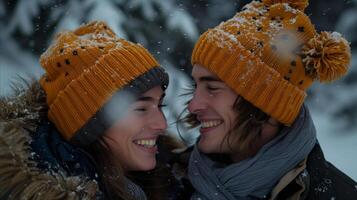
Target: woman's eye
point(162, 105)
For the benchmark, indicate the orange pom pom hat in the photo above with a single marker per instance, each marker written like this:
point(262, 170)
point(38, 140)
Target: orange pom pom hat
point(270, 53)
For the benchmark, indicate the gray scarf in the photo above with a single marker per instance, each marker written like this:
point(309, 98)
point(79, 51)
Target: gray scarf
point(254, 177)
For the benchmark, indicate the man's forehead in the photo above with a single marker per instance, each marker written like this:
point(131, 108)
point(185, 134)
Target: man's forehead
point(200, 73)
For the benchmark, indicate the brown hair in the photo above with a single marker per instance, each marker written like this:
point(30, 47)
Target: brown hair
point(247, 125)
point(108, 169)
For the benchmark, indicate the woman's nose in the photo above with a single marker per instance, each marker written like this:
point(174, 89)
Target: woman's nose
point(158, 121)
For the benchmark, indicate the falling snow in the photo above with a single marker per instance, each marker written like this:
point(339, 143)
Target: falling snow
point(169, 30)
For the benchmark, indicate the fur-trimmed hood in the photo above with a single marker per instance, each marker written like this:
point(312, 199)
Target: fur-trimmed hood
point(20, 177)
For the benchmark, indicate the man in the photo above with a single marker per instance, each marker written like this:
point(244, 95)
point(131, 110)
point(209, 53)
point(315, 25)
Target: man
point(257, 139)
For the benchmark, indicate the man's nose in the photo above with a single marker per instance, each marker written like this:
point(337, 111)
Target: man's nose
point(197, 103)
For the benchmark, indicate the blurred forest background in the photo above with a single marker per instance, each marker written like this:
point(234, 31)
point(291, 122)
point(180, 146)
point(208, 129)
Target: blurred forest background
point(169, 29)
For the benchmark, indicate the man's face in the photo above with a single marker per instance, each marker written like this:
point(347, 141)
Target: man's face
point(212, 103)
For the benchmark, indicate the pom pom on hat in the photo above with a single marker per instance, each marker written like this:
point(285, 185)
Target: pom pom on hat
point(297, 4)
point(327, 56)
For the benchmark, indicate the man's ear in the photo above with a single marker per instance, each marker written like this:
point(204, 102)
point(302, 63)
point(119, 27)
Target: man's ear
point(273, 122)
point(270, 129)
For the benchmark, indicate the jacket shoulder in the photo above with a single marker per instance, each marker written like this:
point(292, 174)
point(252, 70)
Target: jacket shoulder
point(20, 176)
point(326, 181)
point(21, 179)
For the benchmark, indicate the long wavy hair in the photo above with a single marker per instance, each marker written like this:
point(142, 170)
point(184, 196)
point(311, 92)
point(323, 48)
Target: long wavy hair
point(109, 170)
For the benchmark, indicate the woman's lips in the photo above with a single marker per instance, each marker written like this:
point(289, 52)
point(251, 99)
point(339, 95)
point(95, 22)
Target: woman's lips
point(147, 145)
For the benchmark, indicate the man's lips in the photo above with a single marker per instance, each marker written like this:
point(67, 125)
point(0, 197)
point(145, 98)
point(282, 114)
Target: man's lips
point(209, 125)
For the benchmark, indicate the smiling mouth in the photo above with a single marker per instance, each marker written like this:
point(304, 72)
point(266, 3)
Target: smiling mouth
point(147, 143)
point(210, 124)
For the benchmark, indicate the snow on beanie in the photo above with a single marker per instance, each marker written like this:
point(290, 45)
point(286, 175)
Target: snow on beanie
point(270, 53)
point(84, 69)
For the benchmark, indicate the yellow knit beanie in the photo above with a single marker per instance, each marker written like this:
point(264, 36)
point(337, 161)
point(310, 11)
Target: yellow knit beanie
point(84, 69)
point(270, 53)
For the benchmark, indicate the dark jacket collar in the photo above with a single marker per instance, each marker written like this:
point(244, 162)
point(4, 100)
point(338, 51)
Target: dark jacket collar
point(326, 181)
point(322, 180)
point(53, 152)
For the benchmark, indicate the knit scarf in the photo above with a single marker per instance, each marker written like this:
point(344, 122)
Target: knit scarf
point(255, 177)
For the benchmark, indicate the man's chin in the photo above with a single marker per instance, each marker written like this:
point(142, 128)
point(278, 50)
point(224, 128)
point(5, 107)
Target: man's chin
point(205, 148)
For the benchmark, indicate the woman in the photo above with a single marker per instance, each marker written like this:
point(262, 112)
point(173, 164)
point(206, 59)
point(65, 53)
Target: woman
point(257, 139)
point(95, 118)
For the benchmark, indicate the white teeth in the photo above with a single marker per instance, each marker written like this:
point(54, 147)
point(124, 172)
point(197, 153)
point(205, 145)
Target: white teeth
point(146, 143)
point(209, 124)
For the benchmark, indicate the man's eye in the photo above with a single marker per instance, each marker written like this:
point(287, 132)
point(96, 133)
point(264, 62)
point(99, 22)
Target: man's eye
point(212, 88)
point(141, 109)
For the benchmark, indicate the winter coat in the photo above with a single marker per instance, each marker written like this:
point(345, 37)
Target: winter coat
point(34, 159)
point(318, 179)
point(37, 163)
point(313, 179)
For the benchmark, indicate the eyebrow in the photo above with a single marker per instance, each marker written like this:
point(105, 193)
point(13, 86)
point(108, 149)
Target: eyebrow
point(147, 98)
point(209, 79)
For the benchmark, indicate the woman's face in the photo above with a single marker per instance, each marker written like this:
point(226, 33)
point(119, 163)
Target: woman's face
point(133, 137)
point(212, 103)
